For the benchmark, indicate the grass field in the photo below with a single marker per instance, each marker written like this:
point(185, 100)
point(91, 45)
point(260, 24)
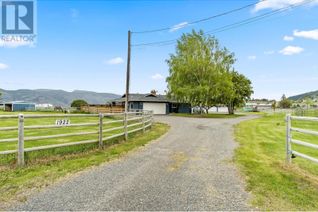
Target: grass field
point(15, 184)
point(210, 115)
point(261, 158)
point(10, 159)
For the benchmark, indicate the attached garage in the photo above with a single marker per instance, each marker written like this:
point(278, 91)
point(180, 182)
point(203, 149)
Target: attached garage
point(157, 108)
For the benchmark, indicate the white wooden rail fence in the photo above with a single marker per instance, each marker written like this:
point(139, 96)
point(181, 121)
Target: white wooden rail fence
point(144, 118)
point(290, 140)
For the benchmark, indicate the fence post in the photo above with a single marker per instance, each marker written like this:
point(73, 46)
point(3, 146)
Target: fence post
point(21, 140)
point(100, 135)
point(151, 119)
point(125, 126)
point(288, 138)
point(143, 122)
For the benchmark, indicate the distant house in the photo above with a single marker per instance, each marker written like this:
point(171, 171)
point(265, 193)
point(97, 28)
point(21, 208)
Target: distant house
point(257, 106)
point(19, 106)
point(159, 104)
point(44, 106)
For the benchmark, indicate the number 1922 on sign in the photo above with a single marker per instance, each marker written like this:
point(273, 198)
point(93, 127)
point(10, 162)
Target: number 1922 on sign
point(63, 122)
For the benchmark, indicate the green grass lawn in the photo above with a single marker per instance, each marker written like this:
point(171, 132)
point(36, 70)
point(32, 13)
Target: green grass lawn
point(15, 184)
point(210, 115)
point(261, 158)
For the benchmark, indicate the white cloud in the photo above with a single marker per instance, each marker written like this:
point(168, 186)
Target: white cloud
point(178, 26)
point(278, 4)
point(157, 77)
point(269, 52)
point(251, 57)
point(115, 61)
point(290, 50)
point(288, 38)
point(311, 34)
point(3, 66)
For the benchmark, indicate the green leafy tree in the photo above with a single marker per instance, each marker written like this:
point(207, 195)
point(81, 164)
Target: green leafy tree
point(79, 103)
point(284, 102)
point(242, 91)
point(199, 71)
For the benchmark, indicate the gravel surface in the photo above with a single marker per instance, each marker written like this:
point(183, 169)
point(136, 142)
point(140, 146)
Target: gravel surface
point(188, 169)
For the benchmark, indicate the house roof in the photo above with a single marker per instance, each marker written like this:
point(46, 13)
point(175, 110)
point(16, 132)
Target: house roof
point(144, 98)
point(18, 102)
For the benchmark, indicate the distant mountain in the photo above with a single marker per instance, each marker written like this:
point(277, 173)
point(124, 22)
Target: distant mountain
point(55, 97)
point(312, 95)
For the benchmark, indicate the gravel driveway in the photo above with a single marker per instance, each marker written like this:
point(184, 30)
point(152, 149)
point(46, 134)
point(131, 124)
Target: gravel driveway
point(188, 169)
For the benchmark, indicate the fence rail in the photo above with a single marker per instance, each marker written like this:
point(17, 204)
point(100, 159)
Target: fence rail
point(144, 119)
point(289, 138)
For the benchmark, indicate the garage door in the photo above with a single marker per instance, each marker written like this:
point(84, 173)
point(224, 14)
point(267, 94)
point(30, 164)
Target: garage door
point(157, 108)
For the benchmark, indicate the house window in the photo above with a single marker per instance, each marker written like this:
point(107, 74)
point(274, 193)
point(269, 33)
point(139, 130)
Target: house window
point(174, 105)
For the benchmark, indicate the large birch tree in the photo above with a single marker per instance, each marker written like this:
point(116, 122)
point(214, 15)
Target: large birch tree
point(201, 73)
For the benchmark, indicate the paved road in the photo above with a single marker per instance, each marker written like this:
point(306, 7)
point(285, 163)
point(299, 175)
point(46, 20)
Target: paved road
point(187, 169)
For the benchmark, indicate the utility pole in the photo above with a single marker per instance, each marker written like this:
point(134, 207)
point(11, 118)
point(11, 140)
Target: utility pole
point(128, 72)
point(127, 87)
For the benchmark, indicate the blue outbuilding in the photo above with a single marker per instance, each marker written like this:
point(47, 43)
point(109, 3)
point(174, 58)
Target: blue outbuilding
point(19, 106)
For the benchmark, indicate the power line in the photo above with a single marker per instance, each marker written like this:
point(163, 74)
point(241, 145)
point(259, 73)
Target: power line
point(154, 43)
point(201, 20)
point(230, 26)
point(255, 19)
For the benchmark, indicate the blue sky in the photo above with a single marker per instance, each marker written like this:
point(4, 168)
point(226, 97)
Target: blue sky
point(83, 45)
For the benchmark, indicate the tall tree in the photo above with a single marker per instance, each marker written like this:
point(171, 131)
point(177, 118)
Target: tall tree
point(201, 73)
point(199, 70)
point(284, 102)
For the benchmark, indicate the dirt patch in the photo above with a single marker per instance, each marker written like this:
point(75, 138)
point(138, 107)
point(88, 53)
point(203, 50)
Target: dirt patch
point(177, 160)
